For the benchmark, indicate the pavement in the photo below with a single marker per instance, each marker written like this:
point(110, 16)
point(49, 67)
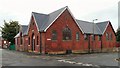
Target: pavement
point(15, 58)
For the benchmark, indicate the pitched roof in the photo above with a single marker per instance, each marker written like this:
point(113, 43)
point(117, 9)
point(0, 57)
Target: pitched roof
point(40, 19)
point(87, 27)
point(23, 30)
point(45, 20)
point(102, 25)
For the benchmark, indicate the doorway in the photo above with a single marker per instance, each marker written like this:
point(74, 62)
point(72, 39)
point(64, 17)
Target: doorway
point(33, 42)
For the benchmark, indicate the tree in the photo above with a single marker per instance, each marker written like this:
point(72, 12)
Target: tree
point(118, 34)
point(9, 30)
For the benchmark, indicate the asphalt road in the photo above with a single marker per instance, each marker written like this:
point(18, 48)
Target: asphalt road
point(14, 58)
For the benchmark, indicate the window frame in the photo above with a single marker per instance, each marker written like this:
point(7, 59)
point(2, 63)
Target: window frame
point(66, 34)
point(111, 36)
point(28, 40)
point(85, 37)
point(77, 36)
point(93, 37)
point(37, 40)
point(99, 37)
point(107, 36)
point(54, 35)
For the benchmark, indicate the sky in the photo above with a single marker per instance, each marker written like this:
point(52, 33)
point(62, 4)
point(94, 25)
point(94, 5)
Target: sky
point(88, 10)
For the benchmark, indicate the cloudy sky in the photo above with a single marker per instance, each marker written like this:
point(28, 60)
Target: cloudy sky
point(20, 10)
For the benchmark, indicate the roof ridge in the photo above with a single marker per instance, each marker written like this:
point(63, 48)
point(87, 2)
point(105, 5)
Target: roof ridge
point(58, 10)
point(103, 22)
point(84, 21)
point(40, 13)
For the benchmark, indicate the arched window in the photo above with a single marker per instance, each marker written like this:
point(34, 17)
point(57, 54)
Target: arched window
point(77, 36)
point(85, 37)
point(21, 38)
point(37, 40)
point(107, 36)
point(54, 35)
point(29, 40)
point(99, 38)
point(110, 36)
point(67, 34)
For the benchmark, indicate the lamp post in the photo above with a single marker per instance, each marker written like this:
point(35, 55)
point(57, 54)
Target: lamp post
point(93, 33)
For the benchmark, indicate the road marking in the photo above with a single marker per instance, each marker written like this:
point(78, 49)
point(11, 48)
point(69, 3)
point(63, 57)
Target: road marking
point(72, 62)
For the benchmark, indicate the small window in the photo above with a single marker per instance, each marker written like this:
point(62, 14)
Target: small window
point(110, 36)
point(107, 36)
point(67, 34)
point(33, 23)
point(85, 37)
point(93, 37)
point(37, 40)
point(99, 38)
point(77, 36)
point(54, 35)
point(17, 41)
point(21, 40)
point(29, 40)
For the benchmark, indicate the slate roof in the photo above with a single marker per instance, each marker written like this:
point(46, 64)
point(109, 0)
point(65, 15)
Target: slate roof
point(44, 21)
point(102, 25)
point(24, 30)
point(87, 27)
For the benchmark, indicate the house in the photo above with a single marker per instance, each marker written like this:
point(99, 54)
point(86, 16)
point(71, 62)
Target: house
point(21, 39)
point(60, 32)
point(3, 43)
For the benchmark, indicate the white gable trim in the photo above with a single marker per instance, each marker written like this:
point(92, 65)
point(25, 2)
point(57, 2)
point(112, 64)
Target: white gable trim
point(30, 23)
point(60, 14)
point(105, 28)
point(35, 22)
point(55, 19)
point(75, 20)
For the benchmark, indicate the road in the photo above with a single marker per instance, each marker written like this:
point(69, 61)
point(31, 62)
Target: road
point(14, 58)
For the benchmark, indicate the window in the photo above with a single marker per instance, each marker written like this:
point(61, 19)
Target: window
point(21, 40)
point(85, 37)
point(33, 23)
point(67, 34)
point(107, 36)
point(110, 36)
point(37, 40)
point(77, 36)
point(99, 38)
point(29, 40)
point(93, 37)
point(17, 41)
point(54, 35)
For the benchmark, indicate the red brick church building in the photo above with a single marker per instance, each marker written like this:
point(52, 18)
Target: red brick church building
point(60, 32)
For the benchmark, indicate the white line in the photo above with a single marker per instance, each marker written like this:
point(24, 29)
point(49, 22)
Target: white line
point(72, 62)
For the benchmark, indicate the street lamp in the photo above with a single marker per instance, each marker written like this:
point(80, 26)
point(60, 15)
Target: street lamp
point(93, 33)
